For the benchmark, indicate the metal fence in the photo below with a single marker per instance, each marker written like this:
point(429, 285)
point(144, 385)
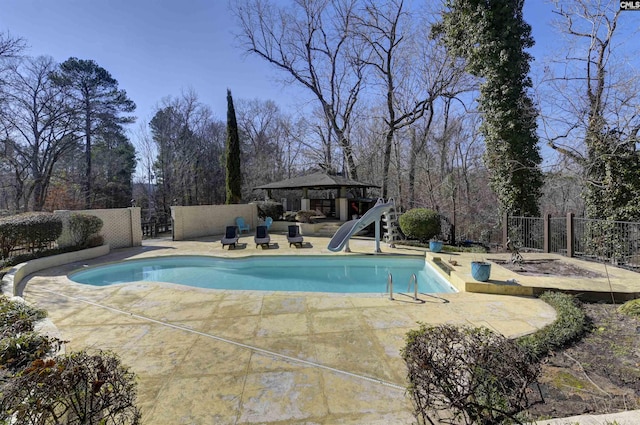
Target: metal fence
point(615, 242)
point(526, 232)
point(558, 235)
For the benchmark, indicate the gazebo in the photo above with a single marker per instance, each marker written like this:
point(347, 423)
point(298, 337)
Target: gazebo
point(320, 181)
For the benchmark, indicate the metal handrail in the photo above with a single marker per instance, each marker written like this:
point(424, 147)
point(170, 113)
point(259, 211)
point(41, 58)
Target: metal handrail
point(390, 286)
point(414, 279)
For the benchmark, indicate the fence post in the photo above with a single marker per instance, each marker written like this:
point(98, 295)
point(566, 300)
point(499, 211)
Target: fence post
point(570, 247)
point(505, 230)
point(546, 248)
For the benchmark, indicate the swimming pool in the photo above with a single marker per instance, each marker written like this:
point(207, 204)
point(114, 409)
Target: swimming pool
point(341, 274)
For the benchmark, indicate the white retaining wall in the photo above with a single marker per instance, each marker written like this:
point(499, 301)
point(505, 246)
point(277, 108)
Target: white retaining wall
point(121, 228)
point(13, 279)
point(206, 220)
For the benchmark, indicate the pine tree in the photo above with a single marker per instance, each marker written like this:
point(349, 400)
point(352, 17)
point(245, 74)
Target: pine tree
point(234, 176)
point(99, 102)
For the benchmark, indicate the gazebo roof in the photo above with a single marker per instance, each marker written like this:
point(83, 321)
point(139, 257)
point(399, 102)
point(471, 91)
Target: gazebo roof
point(317, 180)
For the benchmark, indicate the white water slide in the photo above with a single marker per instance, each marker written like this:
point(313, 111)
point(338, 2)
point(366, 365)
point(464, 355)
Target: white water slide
point(341, 238)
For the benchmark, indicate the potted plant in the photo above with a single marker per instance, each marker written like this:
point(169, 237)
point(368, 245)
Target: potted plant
point(435, 245)
point(480, 270)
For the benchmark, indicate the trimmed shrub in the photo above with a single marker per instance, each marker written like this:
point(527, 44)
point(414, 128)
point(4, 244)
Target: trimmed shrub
point(74, 389)
point(82, 227)
point(420, 223)
point(571, 323)
point(467, 375)
point(33, 231)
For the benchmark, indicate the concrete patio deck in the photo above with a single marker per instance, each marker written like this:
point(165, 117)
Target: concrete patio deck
point(247, 357)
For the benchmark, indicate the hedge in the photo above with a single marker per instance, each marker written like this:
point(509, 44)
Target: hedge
point(33, 231)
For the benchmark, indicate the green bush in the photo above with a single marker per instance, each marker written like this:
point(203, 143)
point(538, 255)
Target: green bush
point(19, 350)
point(82, 227)
point(467, 375)
point(33, 231)
point(420, 223)
point(571, 323)
point(17, 317)
point(73, 389)
point(19, 345)
point(630, 308)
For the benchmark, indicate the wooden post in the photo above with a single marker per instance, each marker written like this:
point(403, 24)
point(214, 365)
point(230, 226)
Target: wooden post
point(570, 247)
point(546, 248)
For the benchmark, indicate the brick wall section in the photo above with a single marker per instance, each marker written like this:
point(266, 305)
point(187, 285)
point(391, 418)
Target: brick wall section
point(207, 220)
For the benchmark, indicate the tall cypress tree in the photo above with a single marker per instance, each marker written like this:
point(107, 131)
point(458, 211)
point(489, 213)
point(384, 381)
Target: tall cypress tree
point(234, 175)
point(491, 36)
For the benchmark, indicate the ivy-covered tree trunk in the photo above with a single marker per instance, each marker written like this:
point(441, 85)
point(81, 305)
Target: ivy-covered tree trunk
point(234, 175)
point(491, 36)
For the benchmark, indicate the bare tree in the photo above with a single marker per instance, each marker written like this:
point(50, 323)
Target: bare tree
point(411, 72)
point(269, 143)
point(386, 29)
point(10, 46)
point(311, 41)
point(189, 144)
point(592, 97)
point(39, 128)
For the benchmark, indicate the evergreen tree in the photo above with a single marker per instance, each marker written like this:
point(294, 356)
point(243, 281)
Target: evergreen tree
point(491, 36)
point(114, 163)
point(99, 103)
point(234, 175)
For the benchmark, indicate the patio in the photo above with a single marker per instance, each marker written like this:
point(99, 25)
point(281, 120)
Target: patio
point(242, 357)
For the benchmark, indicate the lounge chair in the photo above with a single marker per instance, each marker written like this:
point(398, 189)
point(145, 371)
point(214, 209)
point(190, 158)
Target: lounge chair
point(242, 225)
point(294, 236)
point(230, 237)
point(268, 222)
point(262, 237)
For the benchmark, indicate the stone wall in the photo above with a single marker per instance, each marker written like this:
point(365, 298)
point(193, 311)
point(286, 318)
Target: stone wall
point(207, 220)
point(121, 228)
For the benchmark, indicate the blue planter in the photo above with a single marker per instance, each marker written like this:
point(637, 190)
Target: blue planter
point(435, 246)
point(480, 270)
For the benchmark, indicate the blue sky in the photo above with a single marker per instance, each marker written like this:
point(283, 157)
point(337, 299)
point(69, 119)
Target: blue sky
point(156, 48)
point(153, 48)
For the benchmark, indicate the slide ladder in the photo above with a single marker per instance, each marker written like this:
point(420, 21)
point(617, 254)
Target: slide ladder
point(390, 225)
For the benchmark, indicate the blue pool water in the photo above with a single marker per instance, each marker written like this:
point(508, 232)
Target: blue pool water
point(343, 274)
